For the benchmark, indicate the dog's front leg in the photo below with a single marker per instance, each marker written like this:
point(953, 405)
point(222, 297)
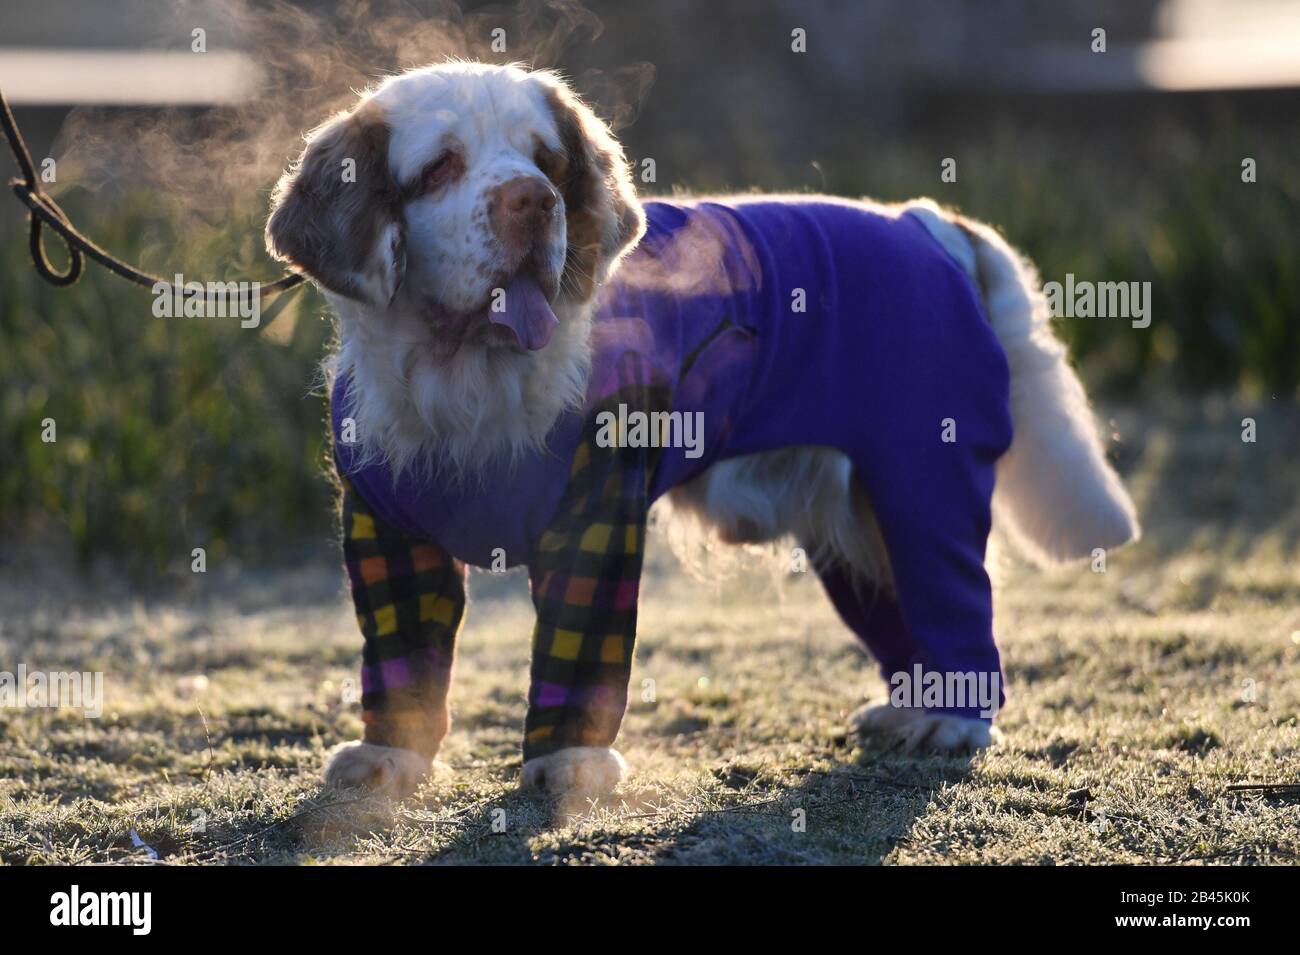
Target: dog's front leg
point(582, 661)
point(409, 596)
point(585, 573)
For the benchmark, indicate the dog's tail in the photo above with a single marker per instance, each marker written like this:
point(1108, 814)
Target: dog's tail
point(1055, 489)
point(1056, 492)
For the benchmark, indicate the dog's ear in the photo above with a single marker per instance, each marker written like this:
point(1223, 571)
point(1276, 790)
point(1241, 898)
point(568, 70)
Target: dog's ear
point(603, 216)
point(336, 214)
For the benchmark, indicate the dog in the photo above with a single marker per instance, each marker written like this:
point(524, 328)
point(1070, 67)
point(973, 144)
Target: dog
point(529, 356)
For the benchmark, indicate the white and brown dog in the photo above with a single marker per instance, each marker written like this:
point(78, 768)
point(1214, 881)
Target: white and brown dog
point(476, 230)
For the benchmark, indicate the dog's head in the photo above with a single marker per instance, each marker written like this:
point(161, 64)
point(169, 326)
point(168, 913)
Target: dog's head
point(481, 197)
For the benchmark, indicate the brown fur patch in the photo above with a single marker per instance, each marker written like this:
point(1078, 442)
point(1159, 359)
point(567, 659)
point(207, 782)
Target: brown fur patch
point(603, 215)
point(327, 227)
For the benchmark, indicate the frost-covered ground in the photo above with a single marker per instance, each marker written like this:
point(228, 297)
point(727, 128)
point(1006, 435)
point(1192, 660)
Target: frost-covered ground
point(1139, 695)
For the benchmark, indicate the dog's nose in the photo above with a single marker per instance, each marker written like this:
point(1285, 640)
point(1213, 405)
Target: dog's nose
point(522, 208)
point(527, 194)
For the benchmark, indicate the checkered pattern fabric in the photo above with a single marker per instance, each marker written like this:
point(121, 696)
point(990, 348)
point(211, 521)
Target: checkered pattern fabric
point(409, 597)
point(585, 572)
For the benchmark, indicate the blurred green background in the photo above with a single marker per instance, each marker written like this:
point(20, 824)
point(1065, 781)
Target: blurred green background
point(177, 433)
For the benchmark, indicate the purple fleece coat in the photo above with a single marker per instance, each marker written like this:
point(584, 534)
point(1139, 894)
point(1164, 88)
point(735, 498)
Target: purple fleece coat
point(791, 322)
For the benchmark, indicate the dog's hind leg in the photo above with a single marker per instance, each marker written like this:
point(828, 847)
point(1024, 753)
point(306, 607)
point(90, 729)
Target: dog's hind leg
point(409, 596)
point(935, 643)
point(935, 420)
point(874, 616)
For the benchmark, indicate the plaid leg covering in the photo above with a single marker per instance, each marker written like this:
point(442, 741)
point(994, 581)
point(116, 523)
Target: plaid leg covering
point(409, 596)
point(585, 573)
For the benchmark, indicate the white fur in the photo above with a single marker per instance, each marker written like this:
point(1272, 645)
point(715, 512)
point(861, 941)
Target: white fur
point(807, 493)
point(416, 403)
point(495, 116)
point(589, 770)
point(393, 772)
point(419, 409)
point(922, 730)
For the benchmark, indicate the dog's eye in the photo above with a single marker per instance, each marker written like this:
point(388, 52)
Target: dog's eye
point(447, 167)
point(551, 163)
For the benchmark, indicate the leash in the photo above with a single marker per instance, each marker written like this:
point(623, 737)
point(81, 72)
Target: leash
point(44, 211)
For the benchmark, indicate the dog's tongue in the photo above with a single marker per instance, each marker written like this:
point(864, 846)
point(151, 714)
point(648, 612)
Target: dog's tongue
point(527, 313)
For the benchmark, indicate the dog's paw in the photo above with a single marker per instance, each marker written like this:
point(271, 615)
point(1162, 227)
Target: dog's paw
point(393, 772)
point(924, 730)
point(586, 770)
